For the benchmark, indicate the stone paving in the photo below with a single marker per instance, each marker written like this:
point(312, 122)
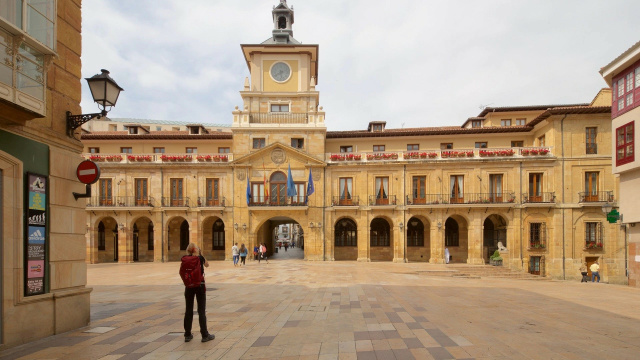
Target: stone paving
point(295, 309)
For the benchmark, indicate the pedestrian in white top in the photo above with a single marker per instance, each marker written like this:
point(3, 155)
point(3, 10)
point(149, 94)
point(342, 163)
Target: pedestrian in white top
point(236, 254)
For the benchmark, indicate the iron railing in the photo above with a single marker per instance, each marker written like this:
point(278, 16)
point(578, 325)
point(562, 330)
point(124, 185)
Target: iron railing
point(543, 197)
point(203, 201)
point(592, 149)
point(505, 197)
point(121, 201)
point(278, 118)
point(345, 201)
point(278, 201)
point(173, 202)
point(374, 200)
point(596, 196)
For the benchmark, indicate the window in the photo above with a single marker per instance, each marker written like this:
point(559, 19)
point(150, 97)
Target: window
point(279, 107)
point(521, 122)
point(257, 193)
point(415, 232)
point(191, 150)
point(258, 143)
point(590, 134)
point(541, 141)
point(194, 130)
point(624, 144)
point(218, 235)
point(105, 198)
point(158, 150)
point(481, 145)
point(591, 186)
point(36, 18)
point(300, 194)
point(278, 188)
point(213, 190)
point(142, 193)
point(346, 233)
point(446, 146)
point(101, 237)
point(176, 192)
point(476, 123)
point(113, 127)
point(297, 143)
point(346, 149)
point(150, 236)
point(419, 195)
point(377, 127)
point(495, 188)
point(345, 188)
point(535, 187)
point(224, 150)
point(380, 230)
point(517, 143)
point(637, 77)
point(623, 91)
point(593, 235)
point(158, 128)
point(413, 147)
point(537, 235)
point(378, 147)
point(382, 190)
point(133, 130)
point(126, 150)
point(456, 186)
point(94, 150)
point(505, 122)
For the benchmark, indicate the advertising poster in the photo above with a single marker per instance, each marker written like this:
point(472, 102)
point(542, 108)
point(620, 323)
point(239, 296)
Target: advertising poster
point(36, 235)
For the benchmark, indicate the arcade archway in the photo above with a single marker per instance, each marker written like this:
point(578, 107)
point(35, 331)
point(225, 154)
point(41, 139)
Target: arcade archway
point(418, 239)
point(143, 239)
point(380, 240)
point(345, 240)
point(178, 237)
point(456, 238)
point(279, 233)
point(495, 230)
point(106, 235)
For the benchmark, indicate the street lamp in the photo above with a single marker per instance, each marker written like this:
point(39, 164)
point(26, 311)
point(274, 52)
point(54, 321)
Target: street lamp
point(105, 92)
point(606, 208)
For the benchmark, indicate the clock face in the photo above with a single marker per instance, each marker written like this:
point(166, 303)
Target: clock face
point(280, 71)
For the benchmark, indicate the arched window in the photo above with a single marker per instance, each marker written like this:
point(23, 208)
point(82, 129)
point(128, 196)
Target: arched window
point(278, 193)
point(184, 235)
point(218, 235)
point(415, 232)
point(380, 231)
point(346, 233)
point(282, 22)
point(150, 236)
point(451, 233)
point(101, 237)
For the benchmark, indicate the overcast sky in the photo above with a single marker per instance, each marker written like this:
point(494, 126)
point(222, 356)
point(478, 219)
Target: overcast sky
point(409, 63)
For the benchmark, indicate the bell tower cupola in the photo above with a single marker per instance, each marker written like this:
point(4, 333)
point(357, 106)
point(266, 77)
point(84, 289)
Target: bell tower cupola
point(282, 24)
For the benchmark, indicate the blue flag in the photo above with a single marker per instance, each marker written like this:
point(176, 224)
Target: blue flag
point(310, 188)
point(248, 190)
point(291, 187)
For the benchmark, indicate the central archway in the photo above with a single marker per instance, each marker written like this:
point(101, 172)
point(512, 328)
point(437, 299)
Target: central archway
point(283, 237)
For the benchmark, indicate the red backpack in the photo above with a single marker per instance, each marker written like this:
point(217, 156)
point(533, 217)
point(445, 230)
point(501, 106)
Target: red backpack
point(191, 272)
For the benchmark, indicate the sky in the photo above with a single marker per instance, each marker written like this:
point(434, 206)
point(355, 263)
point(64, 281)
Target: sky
point(417, 63)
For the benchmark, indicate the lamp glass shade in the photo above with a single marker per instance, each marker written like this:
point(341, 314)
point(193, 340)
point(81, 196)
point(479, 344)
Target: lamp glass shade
point(104, 89)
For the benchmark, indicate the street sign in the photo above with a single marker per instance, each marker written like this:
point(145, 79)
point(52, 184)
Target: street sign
point(88, 172)
point(613, 216)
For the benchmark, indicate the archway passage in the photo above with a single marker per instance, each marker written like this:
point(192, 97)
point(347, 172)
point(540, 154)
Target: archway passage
point(143, 240)
point(456, 239)
point(495, 230)
point(381, 241)
point(178, 238)
point(345, 240)
point(283, 237)
point(214, 238)
point(418, 240)
point(106, 235)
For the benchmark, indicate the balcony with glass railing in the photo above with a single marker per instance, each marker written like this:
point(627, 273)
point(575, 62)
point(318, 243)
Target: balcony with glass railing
point(440, 155)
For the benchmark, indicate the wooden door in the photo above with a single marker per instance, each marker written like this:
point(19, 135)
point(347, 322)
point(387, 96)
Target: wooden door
point(534, 265)
point(495, 188)
point(456, 185)
point(105, 192)
point(419, 190)
point(176, 192)
point(346, 191)
point(535, 187)
point(142, 197)
point(591, 186)
point(382, 190)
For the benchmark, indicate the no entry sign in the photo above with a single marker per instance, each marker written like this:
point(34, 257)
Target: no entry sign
point(88, 172)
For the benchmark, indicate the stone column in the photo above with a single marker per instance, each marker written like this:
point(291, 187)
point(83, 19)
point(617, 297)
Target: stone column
point(399, 239)
point(437, 244)
point(474, 243)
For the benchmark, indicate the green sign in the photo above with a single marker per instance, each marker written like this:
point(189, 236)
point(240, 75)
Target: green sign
point(613, 216)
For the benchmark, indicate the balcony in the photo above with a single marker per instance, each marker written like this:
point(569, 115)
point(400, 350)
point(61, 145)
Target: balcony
point(141, 159)
point(345, 201)
point(593, 245)
point(278, 118)
point(439, 155)
point(543, 197)
point(272, 201)
point(382, 201)
point(506, 197)
point(176, 202)
point(596, 196)
point(121, 201)
point(591, 149)
point(204, 202)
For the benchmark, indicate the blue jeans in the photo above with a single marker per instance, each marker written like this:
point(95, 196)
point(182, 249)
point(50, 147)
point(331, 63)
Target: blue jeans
point(236, 258)
point(594, 275)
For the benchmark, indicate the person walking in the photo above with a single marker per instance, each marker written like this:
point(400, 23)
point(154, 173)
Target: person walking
point(235, 253)
point(263, 253)
point(199, 293)
point(243, 254)
point(286, 246)
point(584, 273)
point(255, 252)
point(595, 271)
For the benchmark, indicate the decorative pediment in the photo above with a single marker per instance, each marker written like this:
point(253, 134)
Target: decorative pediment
point(278, 155)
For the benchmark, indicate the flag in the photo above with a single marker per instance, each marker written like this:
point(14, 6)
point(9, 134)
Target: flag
point(310, 188)
point(266, 188)
point(291, 187)
point(248, 190)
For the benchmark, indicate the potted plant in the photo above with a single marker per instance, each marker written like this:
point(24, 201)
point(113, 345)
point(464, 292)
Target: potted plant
point(495, 259)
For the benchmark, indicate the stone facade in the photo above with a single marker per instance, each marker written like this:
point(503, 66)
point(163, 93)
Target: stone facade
point(33, 139)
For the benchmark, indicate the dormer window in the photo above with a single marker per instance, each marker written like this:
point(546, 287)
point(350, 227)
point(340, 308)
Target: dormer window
point(194, 130)
point(377, 126)
point(133, 130)
point(476, 123)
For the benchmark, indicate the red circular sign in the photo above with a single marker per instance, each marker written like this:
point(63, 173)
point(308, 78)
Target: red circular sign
point(88, 172)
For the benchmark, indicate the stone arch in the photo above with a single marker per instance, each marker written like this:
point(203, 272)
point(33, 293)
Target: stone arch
point(105, 232)
point(345, 237)
point(381, 242)
point(494, 231)
point(142, 239)
point(418, 235)
point(214, 236)
point(176, 237)
point(264, 230)
point(456, 238)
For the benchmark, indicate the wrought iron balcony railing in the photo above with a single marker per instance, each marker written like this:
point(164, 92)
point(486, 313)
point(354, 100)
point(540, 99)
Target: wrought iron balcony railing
point(176, 202)
point(121, 201)
point(466, 198)
point(592, 149)
point(300, 200)
point(203, 201)
point(383, 200)
point(596, 196)
point(543, 197)
point(345, 201)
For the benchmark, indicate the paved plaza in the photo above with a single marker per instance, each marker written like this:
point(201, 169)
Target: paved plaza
point(295, 309)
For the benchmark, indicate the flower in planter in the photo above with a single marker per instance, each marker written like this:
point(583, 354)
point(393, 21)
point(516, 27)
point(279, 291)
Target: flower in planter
point(349, 157)
point(445, 154)
point(370, 156)
point(357, 157)
point(164, 157)
point(423, 155)
point(224, 158)
point(524, 152)
point(544, 151)
point(469, 153)
point(96, 158)
point(114, 158)
point(432, 155)
point(131, 158)
point(534, 151)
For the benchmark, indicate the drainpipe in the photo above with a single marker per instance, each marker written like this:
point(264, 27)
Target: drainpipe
point(521, 223)
point(404, 211)
point(324, 220)
point(161, 216)
point(563, 229)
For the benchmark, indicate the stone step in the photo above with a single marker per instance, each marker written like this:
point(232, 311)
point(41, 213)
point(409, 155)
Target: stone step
point(480, 271)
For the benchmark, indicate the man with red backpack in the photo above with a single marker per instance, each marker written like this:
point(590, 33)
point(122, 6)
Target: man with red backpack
point(192, 274)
